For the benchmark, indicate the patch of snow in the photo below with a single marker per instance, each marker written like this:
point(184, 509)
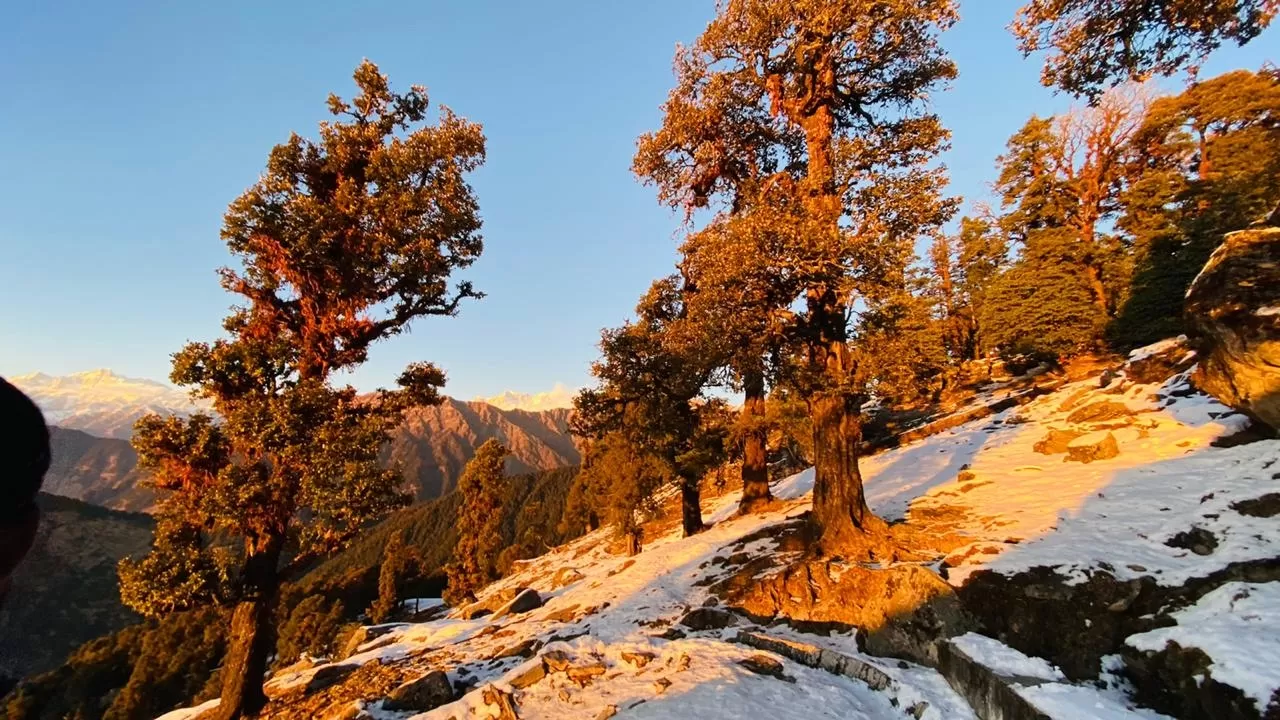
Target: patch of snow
point(1156, 348)
point(1060, 700)
point(1004, 660)
point(1238, 627)
point(191, 712)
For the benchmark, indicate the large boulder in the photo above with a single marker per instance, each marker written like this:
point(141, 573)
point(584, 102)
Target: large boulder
point(425, 693)
point(1234, 308)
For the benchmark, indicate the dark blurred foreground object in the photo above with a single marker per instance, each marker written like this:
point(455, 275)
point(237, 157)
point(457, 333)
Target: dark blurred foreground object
point(24, 459)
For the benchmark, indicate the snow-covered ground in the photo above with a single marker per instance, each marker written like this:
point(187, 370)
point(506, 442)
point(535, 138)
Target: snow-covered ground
point(1011, 508)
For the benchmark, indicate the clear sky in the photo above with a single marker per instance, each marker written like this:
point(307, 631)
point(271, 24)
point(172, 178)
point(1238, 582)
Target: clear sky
point(127, 127)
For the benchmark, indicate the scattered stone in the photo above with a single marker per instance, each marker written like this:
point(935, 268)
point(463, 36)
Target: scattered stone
point(1233, 307)
point(1198, 540)
point(607, 712)
point(361, 635)
point(1100, 411)
point(765, 665)
point(564, 695)
point(661, 684)
point(1262, 507)
point(708, 618)
point(527, 600)
point(1056, 441)
point(565, 576)
point(639, 658)
point(329, 675)
point(1100, 445)
point(475, 611)
point(557, 660)
point(711, 601)
point(425, 693)
point(685, 662)
point(564, 615)
point(621, 567)
point(672, 634)
point(502, 699)
point(531, 676)
point(583, 674)
point(526, 649)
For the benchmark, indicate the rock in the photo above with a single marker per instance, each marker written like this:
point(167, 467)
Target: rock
point(565, 576)
point(1159, 366)
point(661, 684)
point(527, 600)
point(329, 675)
point(475, 611)
point(1100, 445)
point(1056, 441)
point(564, 614)
point(672, 634)
point(1261, 507)
point(765, 665)
point(556, 660)
point(583, 674)
point(607, 712)
point(708, 618)
point(639, 659)
point(1100, 411)
point(502, 700)
point(362, 635)
point(425, 693)
point(1234, 308)
point(1197, 540)
point(526, 649)
point(534, 673)
point(1179, 681)
point(904, 610)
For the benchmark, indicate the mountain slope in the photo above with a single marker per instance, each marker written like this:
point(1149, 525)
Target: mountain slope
point(102, 471)
point(65, 592)
point(431, 446)
point(1070, 527)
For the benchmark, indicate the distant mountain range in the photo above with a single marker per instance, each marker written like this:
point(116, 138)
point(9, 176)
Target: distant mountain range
point(93, 414)
point(100, 402)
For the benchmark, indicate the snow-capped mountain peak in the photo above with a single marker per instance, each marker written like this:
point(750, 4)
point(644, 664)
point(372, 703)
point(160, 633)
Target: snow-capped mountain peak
point(101, 402)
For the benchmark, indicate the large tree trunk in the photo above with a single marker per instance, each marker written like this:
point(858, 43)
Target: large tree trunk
point(1094, 276)
point(246, 663)
point(690, 507)
point(840, 511)
point(755, 455)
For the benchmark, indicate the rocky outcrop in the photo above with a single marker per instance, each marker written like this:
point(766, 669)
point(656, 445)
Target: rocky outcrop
point(1234, 308)
point(903, 610)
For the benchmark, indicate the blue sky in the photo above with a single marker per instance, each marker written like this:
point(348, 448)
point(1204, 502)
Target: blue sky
point(126, 128)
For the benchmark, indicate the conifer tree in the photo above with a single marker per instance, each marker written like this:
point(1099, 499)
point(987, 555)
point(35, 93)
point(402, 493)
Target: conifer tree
point(479, 523)
point(344, 241)
point(850, 79)
point(651, 376)
point(1060, 183)
point(389, 574)
point(1096, 44)
point(1207, 163)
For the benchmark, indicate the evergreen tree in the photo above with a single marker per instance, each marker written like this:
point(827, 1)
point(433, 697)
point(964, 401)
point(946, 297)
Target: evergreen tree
point(983, 255)
point(651, 377)
point(311, 628)
point(342, 242)
point(394, 561)
point(1209, 164)
point(479, 523)
point(1095, 44)
point(1060, 184)
point(849, 80)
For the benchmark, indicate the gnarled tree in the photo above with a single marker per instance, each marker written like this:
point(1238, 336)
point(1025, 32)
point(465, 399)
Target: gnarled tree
point(342, 242)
